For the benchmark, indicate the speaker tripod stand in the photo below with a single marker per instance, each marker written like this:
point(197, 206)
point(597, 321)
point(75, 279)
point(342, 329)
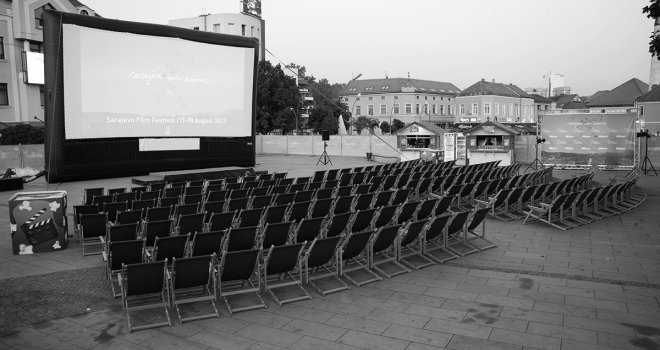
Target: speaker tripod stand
point(536, 164)
point(647, 166)
point(324, 159)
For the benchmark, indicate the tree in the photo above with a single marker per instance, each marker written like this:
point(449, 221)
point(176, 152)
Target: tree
point(276, 93)
point(385, 127)
point(327, 105)
point(653, 11)
point(397, 124)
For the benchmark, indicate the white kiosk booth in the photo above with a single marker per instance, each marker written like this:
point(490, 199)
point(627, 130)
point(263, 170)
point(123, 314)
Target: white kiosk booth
point(490, 141)
point(421, 140)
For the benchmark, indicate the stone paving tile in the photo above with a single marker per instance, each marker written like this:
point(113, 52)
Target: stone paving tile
point(594, 285)
point(492, 274)
point(264, 346)
point(531, 315)
point(627, 298)
point(269, 335)
point(418, 346)
point(597, 303)
point(384, 304)
point(460, 328)
point(633, 343)
point(418, 299)
point(494, 321)
point(224, 324)
point(582, 292)
point(597, 325)
point(165, 341)
point(399, 318)
point(29, 338)
point(400, 287)
point(372, 341)
point(459, 342)
point(524, 339)
point(451, 294)
point(504, 301)
point(313, 329)
point(537, 296)
point(567, 344)
point(307, 343)
point(423, 336)
point(643, 309)
point(264, 318)
point(358, 323)
point(444, 284)
point(308, 314)
point(482, 289)
point(117, 343)
point(562, 332)
point(581, 311)
point(525, 284)
point(346, 309)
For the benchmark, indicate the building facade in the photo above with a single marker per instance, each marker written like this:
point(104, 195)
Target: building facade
point(405, 99)
point(21, 36)
point(244, 24)
point(504, 103)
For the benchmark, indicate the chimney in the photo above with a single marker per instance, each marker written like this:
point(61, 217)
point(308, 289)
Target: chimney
point(493, 80)
point(482, 79)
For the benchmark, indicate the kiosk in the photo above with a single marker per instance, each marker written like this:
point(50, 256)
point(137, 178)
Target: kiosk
point(421, 140)
point(490, 141)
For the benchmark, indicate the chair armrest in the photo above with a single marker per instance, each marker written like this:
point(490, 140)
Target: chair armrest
point(546, 205)
point(102, 239)
point(481, 201)
point(104, 255)
point(119, 279)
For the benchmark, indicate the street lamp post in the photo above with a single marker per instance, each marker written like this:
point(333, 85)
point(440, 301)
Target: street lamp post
point(295, 115)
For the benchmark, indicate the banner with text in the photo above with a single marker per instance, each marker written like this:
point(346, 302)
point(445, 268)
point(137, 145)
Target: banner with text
point(586, 139)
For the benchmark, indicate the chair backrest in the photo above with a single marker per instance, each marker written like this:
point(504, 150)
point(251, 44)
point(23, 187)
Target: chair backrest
point(158, 228)
point(238, 265)
point(304, 196)
point(309, 229)
point(443, 205)
point(338, 224)
point(261, 201)
point(127, 197)
point(112, 208)
point(319, 176)
point(216, 195)
point(478, 216)
point(275, 213)
point(214, 207)
point(275, 190)
point(101, 200)
point(325, 193)
point(383, 198)
point(355, 244)
point(345, 179)
point(170, 247)
point(143, 204)
point(438, 223)
point(363, 201)
point(299, 211)
point(222, 221)
point(342, 191)
point(205, 243)
point(358, 178)
point(173, 192)
point(193, 198)
point(158, 213)
point(321, 208)
point(192, 272)
point(401, 196)
point(407, 211)
point(90, 193)
point(321, 251)
point(156, 186)
point(123, 232)
point(293, 188)
point(331, 174)
point(84, 209)
point(385, 237)
point(363, 219)
point(129, 217)
point(385, 215)
point(343, 205)
point(261, 190)
point(241, 238)
point(190, 223)
point(501, 197)
point(362, 189)
point(426, 208)
point(458, 222)
point(413, 230)
point(93, 225)
point(124, 252)
point(284, 198)
point(149, 195)
point(239, 193)
point(283, 258)
point(144, 278)
point(250, 217)
point(193, 190)
point(184, 209)
point(276, 234)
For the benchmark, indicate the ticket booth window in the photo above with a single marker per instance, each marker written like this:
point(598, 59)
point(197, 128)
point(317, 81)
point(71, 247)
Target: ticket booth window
point(418, 141)
point(490, 142)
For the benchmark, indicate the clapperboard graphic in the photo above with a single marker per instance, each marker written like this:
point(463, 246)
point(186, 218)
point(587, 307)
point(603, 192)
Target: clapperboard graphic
point(39, 231)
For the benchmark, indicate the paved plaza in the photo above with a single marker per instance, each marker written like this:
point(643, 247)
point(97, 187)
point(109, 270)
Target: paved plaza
point(593, 287)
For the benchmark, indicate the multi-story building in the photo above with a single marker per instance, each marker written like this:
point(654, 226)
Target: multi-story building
point(504, 103)
point(405, 99)
point(246, 23)
point(21, 39)
point(622, 96)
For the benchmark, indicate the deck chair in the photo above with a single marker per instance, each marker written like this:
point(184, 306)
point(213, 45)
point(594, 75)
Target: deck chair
point(382, 199)
point(383, 252)
point(337, 225)
point(321, 208)
point(498, 205)
point(412, 245)
point(303, 180)
point(129, 217)
point(361, 189)
point(158, 213)
point(157, 228)
point(342, 191)
point(304, 196)
point(222, 221)
point(385, 216)
point(435, 240)
point(237, 271)
point(388, 182)
point(354, 260)
point(320, 271)
point(242, 238)
point(207, 243)
point(308, 229)
point(185, 209)
point(276, 234)
point(426, 209)
point(211, 208)
point(456, 235)
point(260, 191)
point(118, 233)
point(444, 205)
point(343, 205)
point(239, 193)
point(298, 211)
point(150, 195)
point(319, 176)
point(90, 193)
point(284, 198)
point(358, 178)
point(478, 240)
point(406, 212)
point(551, 213)
point(313, 185)
point(192, 280)
point(325, 193)
point(345, 179)
point(269, 183)
point(79, 210)
point(400, 196)
point(216, 195)
point(275, 214)
point(117, 254)
point(169, 201)
point(140, 283)
point(143, 204)
point(156, 186)
point(249, 217)
point(193, 199)
point(91, 228)
point(329, 184)
point(236, 204)
point(331, 174)
point(190, 223)
point(193, 190)
point(363, 201)
point(101, 200)
point(166, 248)
point(261, 201)
point(363, 220)
point(279, 267)
point(127, 197)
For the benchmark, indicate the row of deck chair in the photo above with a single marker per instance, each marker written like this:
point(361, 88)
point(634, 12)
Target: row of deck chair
point(581, 207)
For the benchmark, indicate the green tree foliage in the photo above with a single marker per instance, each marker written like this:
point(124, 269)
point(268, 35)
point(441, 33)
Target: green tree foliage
point(653, 11)
point(397, 124)
point(276, 93)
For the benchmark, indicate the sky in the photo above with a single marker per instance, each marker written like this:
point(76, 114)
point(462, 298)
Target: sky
point(595, 44)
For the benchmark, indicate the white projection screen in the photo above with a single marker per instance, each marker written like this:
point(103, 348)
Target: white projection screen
point(120, 84)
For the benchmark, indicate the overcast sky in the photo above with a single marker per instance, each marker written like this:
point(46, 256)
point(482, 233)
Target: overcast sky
point(595, 44)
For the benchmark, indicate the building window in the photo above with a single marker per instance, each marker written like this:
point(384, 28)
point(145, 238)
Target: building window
point(510, 109)
point(417, 108)
point(371, 98)
point(442, 109)
point(433, 98)
point(370, 110)
point(2, 48)
point(243, 29)
point(358, 110)
point(382, 97)
point(4, 95)
point(475, 108)
point(216, 28)
point(448, 98)
point(417, 97)
point(434, 109)
point(252, 31)
point(408, 108)
point(41, 94)
point(396, 97)
point(396, 108)
point(36, 46)
point(449, 109)
point(641, 110)
point(230, 28)
point(195, 28)
point(462, 110)
point(442, 98)
point(39, 13)
point(517, 110)
point(383, 110)
point(426, 97)
point(487, 108)
point(357, 99)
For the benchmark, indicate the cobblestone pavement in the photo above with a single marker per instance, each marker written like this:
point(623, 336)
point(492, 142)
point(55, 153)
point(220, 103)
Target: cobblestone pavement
point(593, 287)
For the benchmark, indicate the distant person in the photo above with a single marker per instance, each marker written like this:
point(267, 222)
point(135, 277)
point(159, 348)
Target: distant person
point(489, 142)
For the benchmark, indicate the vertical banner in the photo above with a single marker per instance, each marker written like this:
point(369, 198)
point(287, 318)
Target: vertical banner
point(586, 139)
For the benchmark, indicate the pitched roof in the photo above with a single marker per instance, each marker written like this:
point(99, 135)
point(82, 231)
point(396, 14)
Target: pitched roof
point(496, 124)
point(540, 99)
point(651, 96)
point(596, 95)
point(432, 127)
point(77, 4)
point(483, 87)
point(622, 95)
point(570, 101)
point(396, 85)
